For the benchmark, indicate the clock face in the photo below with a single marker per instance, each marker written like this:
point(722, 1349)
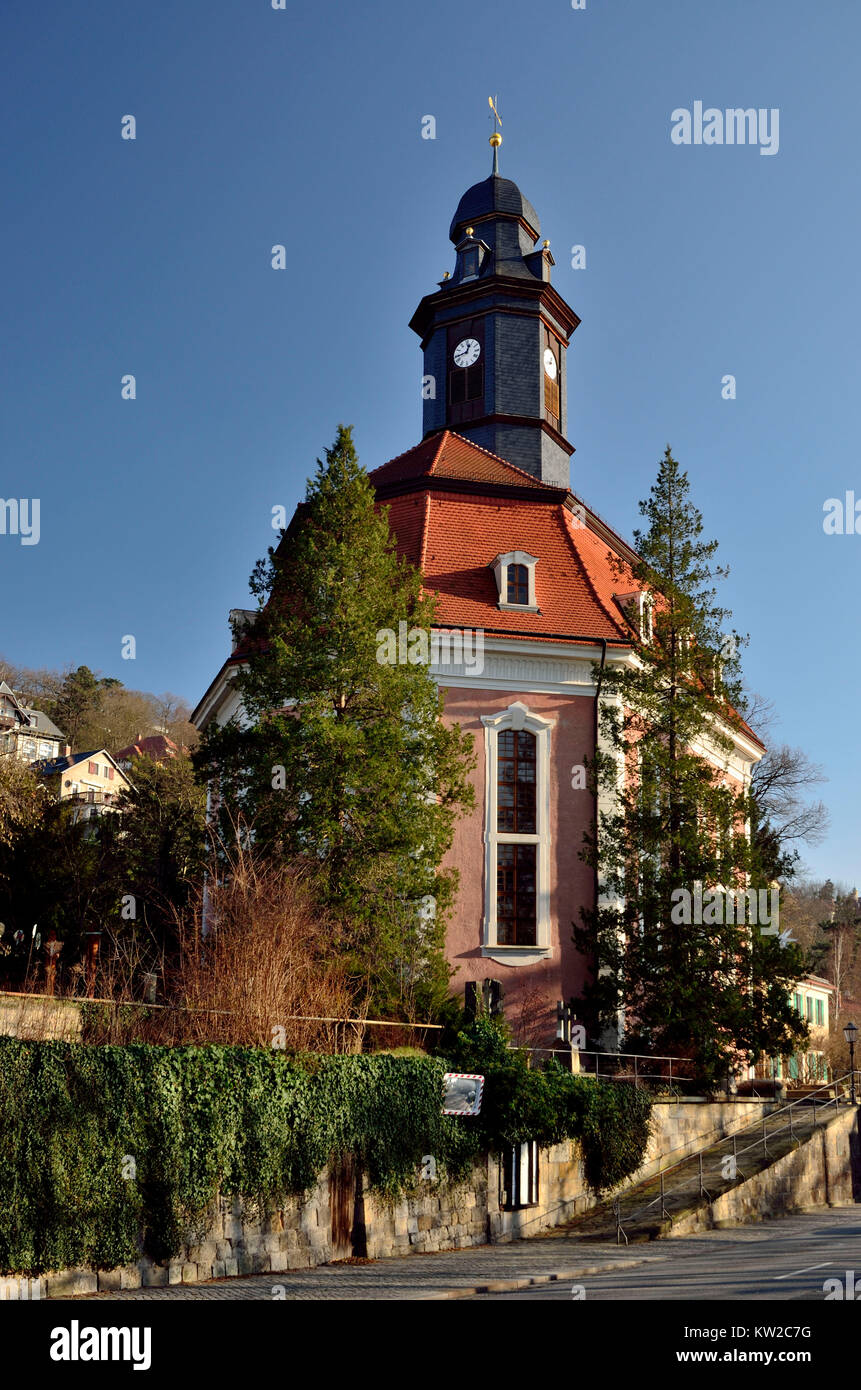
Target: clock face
point(466, 352)
point(550, 363)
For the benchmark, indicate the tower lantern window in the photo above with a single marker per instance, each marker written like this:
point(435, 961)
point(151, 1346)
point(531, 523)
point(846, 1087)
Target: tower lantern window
point(470, 263)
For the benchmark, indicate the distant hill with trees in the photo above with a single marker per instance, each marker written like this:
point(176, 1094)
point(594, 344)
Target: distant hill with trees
point(95, 711)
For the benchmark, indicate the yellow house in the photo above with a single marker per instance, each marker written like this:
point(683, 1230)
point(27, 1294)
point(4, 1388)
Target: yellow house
point(811, 997)
point(93, 780)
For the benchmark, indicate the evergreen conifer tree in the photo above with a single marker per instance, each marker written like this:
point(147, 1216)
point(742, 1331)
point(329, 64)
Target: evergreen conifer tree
point(672, 830)
point(343, 761)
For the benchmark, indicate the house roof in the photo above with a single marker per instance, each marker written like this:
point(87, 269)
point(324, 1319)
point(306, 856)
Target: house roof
point(9, 693)
point(454, 507)
point(42, 724)
point(31, 718)
point(153, 746)
point(817, 982)
point(51, 767)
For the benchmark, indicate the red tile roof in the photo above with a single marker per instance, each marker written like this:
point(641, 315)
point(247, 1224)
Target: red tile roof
point(450, 455)
point(157, 746)
point(454, 507)
point(454, 535)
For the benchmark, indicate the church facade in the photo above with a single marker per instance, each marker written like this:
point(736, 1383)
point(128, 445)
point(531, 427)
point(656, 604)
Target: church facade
point(483, 506)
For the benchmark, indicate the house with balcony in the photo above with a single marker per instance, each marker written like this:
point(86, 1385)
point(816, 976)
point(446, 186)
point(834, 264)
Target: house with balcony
point(27, 733)
point(93, 781)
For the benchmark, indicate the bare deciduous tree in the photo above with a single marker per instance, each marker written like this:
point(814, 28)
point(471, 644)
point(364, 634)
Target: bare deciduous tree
point(781, 781)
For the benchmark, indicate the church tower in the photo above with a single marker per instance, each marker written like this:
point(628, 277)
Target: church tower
point(496, 333)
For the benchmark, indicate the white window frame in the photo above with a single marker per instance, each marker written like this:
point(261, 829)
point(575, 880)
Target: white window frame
point(500, 569)
point(639, 608)
point(517, 717)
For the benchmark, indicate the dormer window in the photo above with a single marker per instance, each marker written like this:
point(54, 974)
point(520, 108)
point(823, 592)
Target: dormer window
point(471, 251)
point(638, 609)
point(518, 584)
point(515, 581)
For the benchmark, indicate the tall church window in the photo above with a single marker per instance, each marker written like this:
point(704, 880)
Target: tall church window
point(515, 783)
point(515, 895)
point(515, 815)
point(517, 883)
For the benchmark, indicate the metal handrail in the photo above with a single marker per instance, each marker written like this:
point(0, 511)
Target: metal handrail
point(733, 1139)
point(622, 1057)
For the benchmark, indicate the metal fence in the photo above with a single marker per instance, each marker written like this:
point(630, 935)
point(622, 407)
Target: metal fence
point(670, 1073)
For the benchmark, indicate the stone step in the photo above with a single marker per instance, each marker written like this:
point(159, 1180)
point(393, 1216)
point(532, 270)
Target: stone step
point(640, 1207)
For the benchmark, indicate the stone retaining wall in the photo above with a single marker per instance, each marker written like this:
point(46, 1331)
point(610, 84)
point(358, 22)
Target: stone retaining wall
point(340, 1218)
point(38, 1018)
point(820, 1172)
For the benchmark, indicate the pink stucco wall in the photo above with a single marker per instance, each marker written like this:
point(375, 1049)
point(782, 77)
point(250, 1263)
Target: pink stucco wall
point(530, 990)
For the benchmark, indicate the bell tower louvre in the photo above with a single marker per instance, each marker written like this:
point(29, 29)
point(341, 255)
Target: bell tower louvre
point(495, 335)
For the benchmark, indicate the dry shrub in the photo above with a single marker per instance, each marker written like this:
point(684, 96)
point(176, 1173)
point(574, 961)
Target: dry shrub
point(256, 963)
point(268, 969)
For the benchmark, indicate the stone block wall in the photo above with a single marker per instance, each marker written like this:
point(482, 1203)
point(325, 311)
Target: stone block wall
point(312, 1231)
point(39, 1018)
point(820, 1172)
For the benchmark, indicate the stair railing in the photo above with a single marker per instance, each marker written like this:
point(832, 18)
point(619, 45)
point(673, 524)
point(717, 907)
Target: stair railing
point(768, 1131)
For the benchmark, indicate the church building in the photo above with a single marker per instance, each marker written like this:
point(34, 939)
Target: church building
point(483, 506)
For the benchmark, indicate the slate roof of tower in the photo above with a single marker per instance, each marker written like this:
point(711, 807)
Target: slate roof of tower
point(494, 194)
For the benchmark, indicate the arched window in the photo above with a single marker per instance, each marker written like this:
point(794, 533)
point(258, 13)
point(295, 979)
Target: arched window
point(515, 815)
point(517, 886)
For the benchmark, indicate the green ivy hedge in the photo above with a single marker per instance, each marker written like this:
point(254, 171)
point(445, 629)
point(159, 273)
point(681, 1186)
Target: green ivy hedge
point(611, 1121)
point(108, 1152)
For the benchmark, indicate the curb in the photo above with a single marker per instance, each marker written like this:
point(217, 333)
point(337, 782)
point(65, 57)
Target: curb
point(512, 1285)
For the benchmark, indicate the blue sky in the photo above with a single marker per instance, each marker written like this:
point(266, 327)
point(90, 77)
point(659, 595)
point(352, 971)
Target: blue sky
point(303, 127)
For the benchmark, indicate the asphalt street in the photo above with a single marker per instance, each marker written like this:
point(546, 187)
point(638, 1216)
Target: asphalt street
point(786, 1260)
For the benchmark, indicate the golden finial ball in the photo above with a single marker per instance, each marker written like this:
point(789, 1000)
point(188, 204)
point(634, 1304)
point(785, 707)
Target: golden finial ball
point(496, 139)
point(546, 244)
point(469, 231)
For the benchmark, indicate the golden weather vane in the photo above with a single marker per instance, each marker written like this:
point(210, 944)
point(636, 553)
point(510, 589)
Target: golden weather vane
point(496, 137)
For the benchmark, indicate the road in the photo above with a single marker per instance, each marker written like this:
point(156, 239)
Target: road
point(786, 1260)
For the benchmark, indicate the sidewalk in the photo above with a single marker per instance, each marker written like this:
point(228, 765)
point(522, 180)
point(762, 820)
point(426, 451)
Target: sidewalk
point(449, 1274)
